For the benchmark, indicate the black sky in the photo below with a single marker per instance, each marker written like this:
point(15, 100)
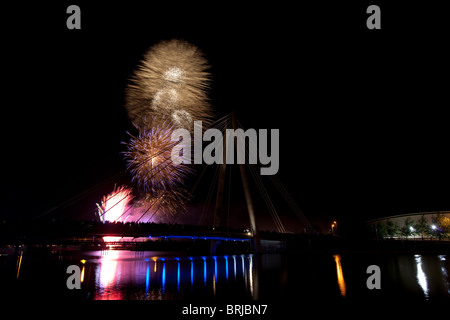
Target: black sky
point(362, 114)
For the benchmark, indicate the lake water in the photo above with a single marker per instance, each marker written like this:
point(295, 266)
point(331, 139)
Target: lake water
point(130, 275)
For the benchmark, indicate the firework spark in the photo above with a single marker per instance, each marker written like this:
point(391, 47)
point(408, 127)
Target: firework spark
point(114, 206)
point(170, 80)
point(149, 158)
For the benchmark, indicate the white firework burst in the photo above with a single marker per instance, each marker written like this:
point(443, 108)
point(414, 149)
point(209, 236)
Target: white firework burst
point(171, 79)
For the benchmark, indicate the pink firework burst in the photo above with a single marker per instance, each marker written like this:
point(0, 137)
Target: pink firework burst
point(113, 207)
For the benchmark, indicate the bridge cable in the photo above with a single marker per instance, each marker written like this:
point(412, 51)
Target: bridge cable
point(292, 203)
point(158, 166)
point(81, 195)
point(264, 192)
point(209, 196)
point(205, 167)
point(222, 128)
point(229, 199)
point(289, 199)
point(267, 200)
point(91, 190)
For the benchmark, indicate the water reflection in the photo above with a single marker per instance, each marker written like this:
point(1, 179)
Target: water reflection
point(19, 264)
point(82, 271)
point(340, 275)
point(424, 276)
point(444, 272)
point(106, 274)
point(170, 277)
point(234, 262)
point(421, 277)
point(204, 270)
point(192, 271)
point(132, 275)
point(178, 275)
point(108, 268)
point(226, 267)
point(252, 284)
point(164, 276)
point(147, 280)
point(120, 274)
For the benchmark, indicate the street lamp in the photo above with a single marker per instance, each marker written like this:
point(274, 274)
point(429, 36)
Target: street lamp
point(433, 227)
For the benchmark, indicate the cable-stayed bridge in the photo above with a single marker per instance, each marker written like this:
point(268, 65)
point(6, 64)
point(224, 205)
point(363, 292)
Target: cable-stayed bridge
point(217, 203)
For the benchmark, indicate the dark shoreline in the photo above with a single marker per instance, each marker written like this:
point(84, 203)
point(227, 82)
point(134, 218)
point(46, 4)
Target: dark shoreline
point(384, 247)
point(88, 235)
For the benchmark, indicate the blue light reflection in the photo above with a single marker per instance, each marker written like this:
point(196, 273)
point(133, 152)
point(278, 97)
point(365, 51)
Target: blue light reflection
point(226, 267)
point(164, 275)
point(192, 272)
point(204, 270)
point(184, 270)
point(147, 278)
point(178, 275)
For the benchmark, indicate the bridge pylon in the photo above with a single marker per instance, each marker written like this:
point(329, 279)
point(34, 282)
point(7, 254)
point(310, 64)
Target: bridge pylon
point(256, 243)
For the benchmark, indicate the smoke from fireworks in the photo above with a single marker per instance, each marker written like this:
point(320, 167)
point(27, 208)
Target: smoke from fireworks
point(149, 158)
point(114, 206)
point(160, 206)
point(171, 81)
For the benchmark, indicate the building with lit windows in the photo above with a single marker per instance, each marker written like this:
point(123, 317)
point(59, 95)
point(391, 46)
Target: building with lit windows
point(421, 225)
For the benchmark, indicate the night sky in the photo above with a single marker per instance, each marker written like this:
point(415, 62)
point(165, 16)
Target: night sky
point(362, 114)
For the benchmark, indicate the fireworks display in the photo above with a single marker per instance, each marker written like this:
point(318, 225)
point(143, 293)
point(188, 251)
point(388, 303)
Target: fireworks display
point(113, 207)
point(171, 82)
point(149, 158)
point(160, 206)
point(167, 91)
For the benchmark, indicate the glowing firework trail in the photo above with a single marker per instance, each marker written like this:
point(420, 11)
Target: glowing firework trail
point(114, 205)
point(170, 81)
point(150, 161)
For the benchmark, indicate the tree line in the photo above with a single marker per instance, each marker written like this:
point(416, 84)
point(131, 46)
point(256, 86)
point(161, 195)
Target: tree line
point(438, 228)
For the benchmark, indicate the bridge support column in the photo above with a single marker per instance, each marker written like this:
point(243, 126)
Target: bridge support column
point(248, 199)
